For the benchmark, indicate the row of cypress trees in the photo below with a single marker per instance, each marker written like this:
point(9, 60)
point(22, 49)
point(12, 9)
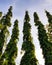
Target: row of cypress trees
point(9, 55)
point(43, 38)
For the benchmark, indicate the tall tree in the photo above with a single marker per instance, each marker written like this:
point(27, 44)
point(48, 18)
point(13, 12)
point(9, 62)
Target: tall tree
point(49, 16)
point(29, 57)
point(43, 38)
point(4, 24)
point(11, 50)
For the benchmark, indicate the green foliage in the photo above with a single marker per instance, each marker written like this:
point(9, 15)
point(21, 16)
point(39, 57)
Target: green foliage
point(1, 41)
point(27, 28)
point(29, 58)
point(10, 53)
point(11, 50)
point(1, 26)
point(15, 30)
point(27, 18)
point(27, 45)
point(3, 31)
point(0, 14)
point(44, 43)
point(49, 16)
point(5, 20)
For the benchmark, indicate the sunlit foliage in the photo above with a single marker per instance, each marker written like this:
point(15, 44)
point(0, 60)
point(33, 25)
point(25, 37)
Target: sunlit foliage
point(10, 53)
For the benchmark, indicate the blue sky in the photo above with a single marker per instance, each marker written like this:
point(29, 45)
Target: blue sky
point(19, 8)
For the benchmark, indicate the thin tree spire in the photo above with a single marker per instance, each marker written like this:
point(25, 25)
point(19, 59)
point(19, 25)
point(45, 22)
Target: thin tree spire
point(11, 50)
point(29, 57)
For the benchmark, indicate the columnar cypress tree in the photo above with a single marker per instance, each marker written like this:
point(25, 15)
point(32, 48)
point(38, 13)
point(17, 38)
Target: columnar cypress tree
point(49, 16)
point(29, 57)
point(44, 43)
point(11, 50)
point(5, 23)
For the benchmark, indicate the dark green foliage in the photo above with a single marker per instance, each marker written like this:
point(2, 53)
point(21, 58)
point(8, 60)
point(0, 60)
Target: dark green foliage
point(10, 53)
point(7, 18)
point(0, 14)
point(49, 16)
point(27, 19)
point(15, 31)
point(44, 43)
point(2, 36)
point(11, 50)
point(4, 23)
point(29, 57)
point(4, 30)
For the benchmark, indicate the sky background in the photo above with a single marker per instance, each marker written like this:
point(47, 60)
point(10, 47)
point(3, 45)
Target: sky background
point(19, 8)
